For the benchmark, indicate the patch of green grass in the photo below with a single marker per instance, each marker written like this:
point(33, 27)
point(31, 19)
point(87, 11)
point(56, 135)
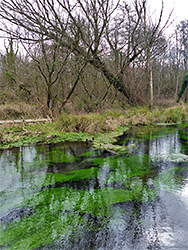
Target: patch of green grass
point(174, 115)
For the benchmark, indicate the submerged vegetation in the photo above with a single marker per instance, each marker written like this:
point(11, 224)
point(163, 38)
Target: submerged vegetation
point(61, 207)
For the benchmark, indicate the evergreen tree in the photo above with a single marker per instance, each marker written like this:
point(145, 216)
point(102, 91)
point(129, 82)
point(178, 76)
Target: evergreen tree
point(183, 87)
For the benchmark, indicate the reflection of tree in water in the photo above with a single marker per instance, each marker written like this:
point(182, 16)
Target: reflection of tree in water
point(183, 139)
point(144, 224)
point(130, 229)
point(83, 208)
point(16, 159)
point(51, 199)
point(146, 219)
point(72, 149)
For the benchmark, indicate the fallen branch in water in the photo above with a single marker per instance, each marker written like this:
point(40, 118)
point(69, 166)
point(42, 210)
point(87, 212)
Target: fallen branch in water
point(110, 151)
point(25, 121)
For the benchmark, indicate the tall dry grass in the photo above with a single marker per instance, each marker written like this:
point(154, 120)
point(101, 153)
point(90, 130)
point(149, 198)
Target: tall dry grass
point(111, 120)
point(19, 110)
point(99, 122)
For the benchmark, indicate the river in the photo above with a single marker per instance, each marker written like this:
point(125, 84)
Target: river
point(70, 196)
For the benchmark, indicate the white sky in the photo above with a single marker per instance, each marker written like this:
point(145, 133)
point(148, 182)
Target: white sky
point(179, 7)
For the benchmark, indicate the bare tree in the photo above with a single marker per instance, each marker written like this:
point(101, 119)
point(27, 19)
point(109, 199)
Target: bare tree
point(87, 30)
point(155, 44)
point(182, 31)
point(50, 61)
point(182, 52)
point(10, 61)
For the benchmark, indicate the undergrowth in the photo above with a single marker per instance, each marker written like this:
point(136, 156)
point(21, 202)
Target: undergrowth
point(111, 120)
point(72, 127)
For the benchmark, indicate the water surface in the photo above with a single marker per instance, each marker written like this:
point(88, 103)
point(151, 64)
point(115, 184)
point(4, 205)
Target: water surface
point(69, 196)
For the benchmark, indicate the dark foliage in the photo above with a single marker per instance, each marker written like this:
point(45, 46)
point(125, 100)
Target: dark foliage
point(183, 87)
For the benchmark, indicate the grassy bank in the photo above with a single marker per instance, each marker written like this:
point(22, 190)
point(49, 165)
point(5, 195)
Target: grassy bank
point(104, 127)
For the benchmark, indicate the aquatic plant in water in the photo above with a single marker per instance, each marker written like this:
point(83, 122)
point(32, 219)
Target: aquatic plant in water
point(49, 209)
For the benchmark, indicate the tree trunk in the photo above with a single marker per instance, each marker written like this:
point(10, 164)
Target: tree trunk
point(115, 80)
point(151, 87)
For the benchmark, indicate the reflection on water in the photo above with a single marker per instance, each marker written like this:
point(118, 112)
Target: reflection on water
point(67, 196)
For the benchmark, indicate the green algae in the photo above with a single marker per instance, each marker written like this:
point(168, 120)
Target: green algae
point(88, 154)
point(45, 179)
point(59, 156)
point(133, 165)
point(41, 229)
point(75, 175)
point(61, 213)
point(58, 215)
point(131, 173)
point(171, 157)
point(58, 211)
point(152, 132)
point(96, 202)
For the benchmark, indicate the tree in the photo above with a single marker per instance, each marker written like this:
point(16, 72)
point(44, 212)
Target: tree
point(180, 57)
point(183, 87)
point(87, 30)
point(155, 44)
point(50, 61)
point(9, 62)
point(182, 30)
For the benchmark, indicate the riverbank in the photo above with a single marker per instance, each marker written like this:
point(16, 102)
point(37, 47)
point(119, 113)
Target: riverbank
point(105, 128)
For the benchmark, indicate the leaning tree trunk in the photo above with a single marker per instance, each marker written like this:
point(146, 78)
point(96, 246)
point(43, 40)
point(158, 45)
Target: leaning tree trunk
point(183, 87)
point(115, 80)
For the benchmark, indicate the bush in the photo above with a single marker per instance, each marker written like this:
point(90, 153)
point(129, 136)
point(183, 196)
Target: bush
point(75, 123)
point(174, 114)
